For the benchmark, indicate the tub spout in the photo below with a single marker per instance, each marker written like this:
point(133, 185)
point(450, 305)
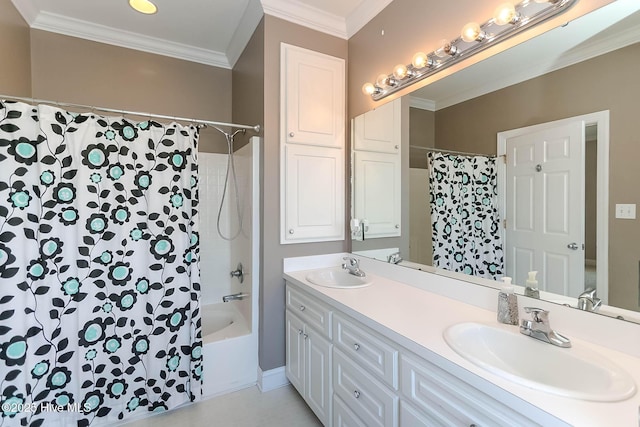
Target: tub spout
point(234, 297)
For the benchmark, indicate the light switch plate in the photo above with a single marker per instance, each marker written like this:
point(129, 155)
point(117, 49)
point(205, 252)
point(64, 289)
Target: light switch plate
point(626, 211)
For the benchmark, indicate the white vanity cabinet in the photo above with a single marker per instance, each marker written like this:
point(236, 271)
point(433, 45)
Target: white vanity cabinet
point(308, 351)
point(373, 380)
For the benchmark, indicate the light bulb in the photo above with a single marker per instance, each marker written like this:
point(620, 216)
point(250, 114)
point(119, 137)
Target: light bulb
point(419, 60)
point(143, 6)
point(368, 88)
point(446, 49)
point(400, 71)
point(472, 32)
point(505, 14)
point(382, 80)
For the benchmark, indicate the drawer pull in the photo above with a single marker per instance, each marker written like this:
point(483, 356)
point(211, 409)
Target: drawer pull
point(356, 394)
point(356, 346)
point(302, 307)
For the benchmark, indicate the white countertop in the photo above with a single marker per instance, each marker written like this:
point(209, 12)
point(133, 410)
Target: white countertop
point(416, 318)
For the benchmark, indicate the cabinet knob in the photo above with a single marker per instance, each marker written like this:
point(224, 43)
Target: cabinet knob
point(397, 225)
point(305, 336)
point(291, 231)
point(356, 346)
point(356, 394)
point(397, 146)
point(291, 134)
point(299, 331)
point(302, 307)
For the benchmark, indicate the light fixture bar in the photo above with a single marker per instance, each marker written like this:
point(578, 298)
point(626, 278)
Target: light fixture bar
point(475, 39)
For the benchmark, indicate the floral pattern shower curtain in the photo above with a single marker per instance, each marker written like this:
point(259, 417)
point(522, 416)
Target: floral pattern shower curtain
point(464, 215)
point(99, 281)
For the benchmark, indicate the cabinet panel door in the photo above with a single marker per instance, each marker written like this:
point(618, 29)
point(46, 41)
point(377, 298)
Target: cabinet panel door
point(313, 194)
point(318, 370)
point(313, 97)
point(380, 129)
point(295, 352)
point(377, 192)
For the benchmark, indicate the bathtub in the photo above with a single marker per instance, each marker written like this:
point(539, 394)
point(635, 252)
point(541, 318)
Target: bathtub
point(229, 350)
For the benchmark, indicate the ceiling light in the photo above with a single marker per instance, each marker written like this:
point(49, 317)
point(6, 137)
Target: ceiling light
point(143, 6)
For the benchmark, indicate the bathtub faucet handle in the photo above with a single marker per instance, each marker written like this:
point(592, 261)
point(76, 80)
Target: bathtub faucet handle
point(238, 272)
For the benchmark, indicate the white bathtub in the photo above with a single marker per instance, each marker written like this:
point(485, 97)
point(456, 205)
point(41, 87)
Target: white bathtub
point(229, 351)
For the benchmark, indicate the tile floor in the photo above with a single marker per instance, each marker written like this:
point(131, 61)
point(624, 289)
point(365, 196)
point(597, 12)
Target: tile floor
point(245, 408)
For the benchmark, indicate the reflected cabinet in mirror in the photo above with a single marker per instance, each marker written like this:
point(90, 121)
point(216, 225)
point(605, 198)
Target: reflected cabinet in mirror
point(523, 165)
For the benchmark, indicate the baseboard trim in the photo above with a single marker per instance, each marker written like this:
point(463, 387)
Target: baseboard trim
point(272, 379)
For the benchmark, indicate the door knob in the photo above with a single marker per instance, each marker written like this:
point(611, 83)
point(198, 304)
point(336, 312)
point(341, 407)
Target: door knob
point(573, 246)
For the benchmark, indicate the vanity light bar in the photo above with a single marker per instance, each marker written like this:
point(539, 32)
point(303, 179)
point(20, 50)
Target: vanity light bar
point(507, 21)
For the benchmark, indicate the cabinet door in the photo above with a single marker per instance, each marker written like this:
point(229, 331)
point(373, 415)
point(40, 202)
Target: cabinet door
point(318, 374)
point(380, 129)
point(312, 200)
point(295, 352)
point(377, 192)
point(313, 97)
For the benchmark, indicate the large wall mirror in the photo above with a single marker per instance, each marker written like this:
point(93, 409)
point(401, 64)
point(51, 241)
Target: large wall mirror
point(585, 72)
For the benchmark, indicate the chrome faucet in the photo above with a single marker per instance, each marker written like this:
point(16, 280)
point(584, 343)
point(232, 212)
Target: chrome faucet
point(540, 329)
point(588, 301)
point(352, 266)
point(234, 297)
point(394, 258)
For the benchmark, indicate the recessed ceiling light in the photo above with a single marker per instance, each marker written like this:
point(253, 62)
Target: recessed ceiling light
point(143, 6)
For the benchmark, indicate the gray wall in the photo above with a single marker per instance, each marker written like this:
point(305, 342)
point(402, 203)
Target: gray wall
point(15, 77)
point(272, 304)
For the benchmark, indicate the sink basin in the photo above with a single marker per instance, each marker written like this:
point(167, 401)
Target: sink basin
point(337, 278)
point(577, 373)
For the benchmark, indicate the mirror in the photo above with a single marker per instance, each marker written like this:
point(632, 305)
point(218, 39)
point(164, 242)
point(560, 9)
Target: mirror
point(590, 65)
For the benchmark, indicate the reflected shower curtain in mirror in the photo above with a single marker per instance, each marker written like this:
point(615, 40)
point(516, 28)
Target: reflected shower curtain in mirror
point(464, 215)
point(99, 281)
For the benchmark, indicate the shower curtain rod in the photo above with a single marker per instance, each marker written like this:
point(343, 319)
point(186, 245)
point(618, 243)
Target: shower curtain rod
point(255, 128)
point(462, 153)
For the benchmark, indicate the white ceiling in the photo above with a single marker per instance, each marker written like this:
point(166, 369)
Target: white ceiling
point(212, 32)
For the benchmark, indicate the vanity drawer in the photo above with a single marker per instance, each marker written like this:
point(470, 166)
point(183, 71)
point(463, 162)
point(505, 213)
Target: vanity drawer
point(343, 416)
point(366, 349)
point(310, 310)
point(372, 402)
point(444, 396)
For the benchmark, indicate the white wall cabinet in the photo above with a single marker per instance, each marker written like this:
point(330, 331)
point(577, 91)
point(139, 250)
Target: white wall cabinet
point(313, 194)
point(374, 381)
point(312, 145)
point(377, 174)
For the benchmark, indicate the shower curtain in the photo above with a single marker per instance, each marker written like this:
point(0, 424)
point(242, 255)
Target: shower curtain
point(464, 215)
point(99, 280)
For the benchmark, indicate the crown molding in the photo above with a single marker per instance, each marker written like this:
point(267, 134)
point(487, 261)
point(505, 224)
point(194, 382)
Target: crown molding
point(27, 9)
point(422, 103)
point(307, 16)
point(99, 33)
point(241, 36)
point(364, 13)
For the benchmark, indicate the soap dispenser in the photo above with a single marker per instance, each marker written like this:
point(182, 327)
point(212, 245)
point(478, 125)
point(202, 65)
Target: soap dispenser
point(507, 303)
point(531, 290)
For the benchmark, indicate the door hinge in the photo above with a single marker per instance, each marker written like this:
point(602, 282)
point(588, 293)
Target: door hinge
point(504, 223)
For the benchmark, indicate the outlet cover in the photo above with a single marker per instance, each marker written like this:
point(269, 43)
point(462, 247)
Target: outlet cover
point(626, 211)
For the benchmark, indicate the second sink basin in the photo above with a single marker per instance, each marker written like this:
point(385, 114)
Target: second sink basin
point(337, 278)
point(571, 372)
